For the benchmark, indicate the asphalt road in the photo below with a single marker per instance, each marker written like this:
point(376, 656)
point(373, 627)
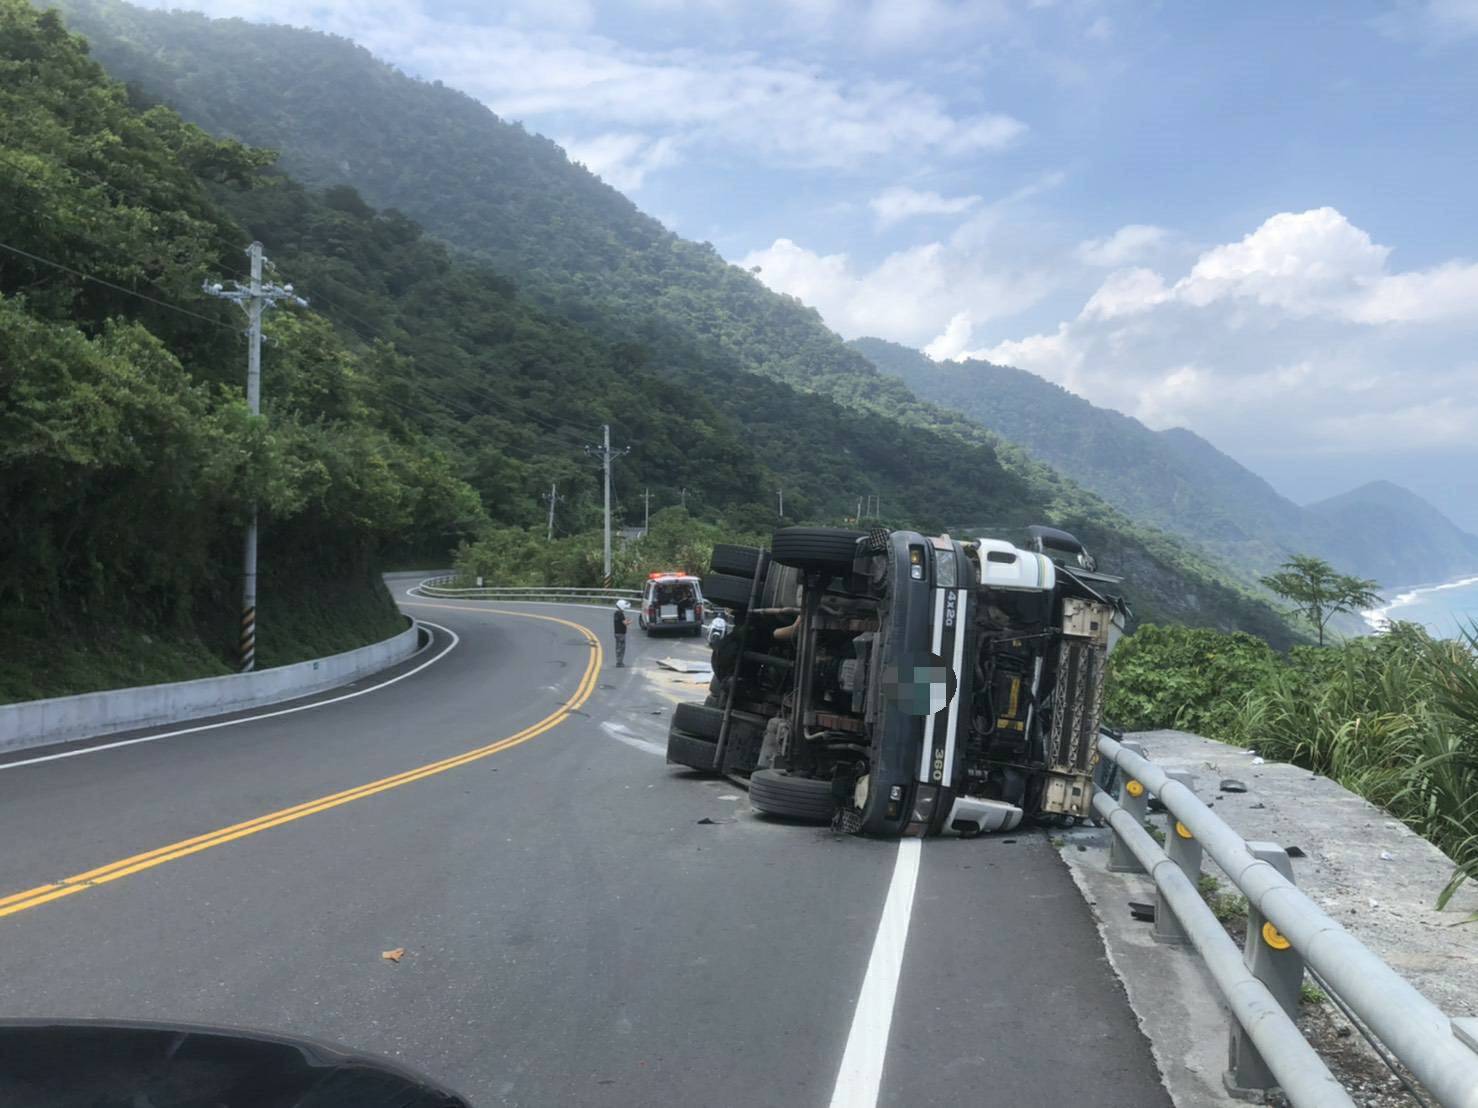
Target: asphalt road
point(576, 932)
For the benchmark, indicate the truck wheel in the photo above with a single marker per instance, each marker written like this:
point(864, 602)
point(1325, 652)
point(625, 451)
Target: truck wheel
point(777, 793)
point(686, 750)
point(737, 561)
point(829, 549)
point(698, 720)
point(727, 590)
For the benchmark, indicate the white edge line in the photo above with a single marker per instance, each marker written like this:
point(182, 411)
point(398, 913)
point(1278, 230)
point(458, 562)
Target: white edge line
point(861, 1074)
point(620, 734)
point(247, 719)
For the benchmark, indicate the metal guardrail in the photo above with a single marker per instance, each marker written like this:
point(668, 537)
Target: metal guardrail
point(1286, 932)
point(441, 587)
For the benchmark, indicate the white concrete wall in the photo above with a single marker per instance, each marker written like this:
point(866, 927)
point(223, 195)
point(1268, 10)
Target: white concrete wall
point(39, 722)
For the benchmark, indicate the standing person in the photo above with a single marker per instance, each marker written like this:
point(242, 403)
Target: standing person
point(621, 622)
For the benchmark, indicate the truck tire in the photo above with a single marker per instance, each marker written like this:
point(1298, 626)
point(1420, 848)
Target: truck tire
point(727, 591)
point(777, 793)
point(686, 750)
point(698, 720)
point(829, 549)
point(737, 561)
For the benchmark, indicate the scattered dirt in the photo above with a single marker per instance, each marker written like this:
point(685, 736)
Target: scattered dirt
point(1370, 1082)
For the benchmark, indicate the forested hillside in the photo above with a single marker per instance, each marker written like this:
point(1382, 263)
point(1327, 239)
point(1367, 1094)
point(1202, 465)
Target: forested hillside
point(128, 459)
point(1176, 480)
point(584, 252)
point(423, 398)
point(1368, 516)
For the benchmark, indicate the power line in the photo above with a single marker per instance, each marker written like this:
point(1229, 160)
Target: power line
point(554, 424)
point(116, 287)
point(230, 244)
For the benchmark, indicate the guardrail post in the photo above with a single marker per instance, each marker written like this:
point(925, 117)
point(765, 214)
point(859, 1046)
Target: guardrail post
point(1182, 849)
point(1134, 798)
point(1274, 962)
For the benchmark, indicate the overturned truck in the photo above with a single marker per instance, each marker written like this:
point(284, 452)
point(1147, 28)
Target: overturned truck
point(891, 683)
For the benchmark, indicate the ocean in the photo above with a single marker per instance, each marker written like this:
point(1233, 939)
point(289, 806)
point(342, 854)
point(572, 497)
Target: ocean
point(1445, 609)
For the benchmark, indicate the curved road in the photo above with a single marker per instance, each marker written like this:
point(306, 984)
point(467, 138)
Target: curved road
point(583, 924)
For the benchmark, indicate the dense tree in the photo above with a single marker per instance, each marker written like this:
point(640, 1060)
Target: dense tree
point(127, 454)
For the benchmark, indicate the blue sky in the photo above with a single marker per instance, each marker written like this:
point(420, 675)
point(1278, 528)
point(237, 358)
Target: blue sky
point(1255, 220)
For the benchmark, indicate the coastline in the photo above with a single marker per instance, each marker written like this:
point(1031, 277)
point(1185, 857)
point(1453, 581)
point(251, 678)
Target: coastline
point(1406, 596)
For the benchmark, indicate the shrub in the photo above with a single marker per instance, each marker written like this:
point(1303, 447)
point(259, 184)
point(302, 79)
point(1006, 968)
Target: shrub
point(1190, 678)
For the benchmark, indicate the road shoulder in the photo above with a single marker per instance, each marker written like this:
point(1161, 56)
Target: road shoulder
point(1375, 876)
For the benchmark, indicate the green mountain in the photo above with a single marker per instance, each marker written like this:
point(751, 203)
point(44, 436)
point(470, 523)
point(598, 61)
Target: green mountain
point(128, 459)
point(1370, 516)
point(814, 417)
point(1176, 480)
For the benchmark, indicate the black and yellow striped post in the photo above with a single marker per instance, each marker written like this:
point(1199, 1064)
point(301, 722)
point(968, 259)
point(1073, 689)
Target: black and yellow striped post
point(248, 650)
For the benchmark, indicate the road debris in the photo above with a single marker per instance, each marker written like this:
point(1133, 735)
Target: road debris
point(685, 665)
point(393, 955)
point(1232, 785)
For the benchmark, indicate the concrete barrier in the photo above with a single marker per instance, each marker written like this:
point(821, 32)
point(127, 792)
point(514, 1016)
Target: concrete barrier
point(62, 718)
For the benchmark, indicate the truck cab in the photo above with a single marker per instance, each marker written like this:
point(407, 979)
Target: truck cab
point(907, 684)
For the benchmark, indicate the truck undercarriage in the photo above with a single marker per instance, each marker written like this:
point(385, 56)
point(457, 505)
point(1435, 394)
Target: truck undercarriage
point(896, 684)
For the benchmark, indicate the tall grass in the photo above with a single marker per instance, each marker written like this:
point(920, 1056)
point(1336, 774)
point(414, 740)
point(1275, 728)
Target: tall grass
point(1393, 718)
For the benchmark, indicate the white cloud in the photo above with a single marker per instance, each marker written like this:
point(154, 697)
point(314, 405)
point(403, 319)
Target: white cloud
point(568, 79)
point(1126, 292)
point(622, 160)
point(901, 202)
point(953, 340)
point(1448, 291)
point(995, 263)
point(1300, 337)
point(1304, 262)
point(1129, 244)
point(1055, 356)
point(914, 294)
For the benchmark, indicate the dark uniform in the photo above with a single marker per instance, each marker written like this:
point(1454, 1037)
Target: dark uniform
point(621, 622)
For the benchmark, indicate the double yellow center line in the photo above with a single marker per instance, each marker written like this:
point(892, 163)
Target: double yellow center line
point(126, 867)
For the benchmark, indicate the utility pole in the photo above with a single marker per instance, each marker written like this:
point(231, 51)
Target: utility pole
point(859, 509)
point(646, 522)
point(782, 503)
point(685, 498)
point(605, 454)
point(254, 298)
point(553, 497)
